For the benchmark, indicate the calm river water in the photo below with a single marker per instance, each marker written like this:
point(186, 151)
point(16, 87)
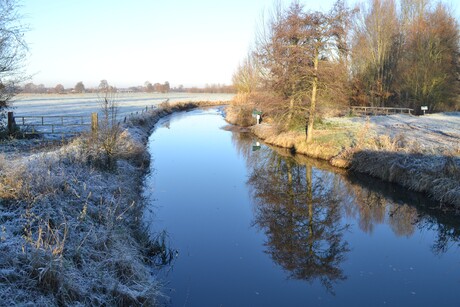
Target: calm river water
point(257, 227)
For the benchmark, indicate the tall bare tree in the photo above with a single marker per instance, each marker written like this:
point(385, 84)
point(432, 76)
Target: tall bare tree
point(375, 52)
point(246, 78)
point(408, 57)
point(79, 87)
point(430, 65)
point(304, 54)
point(325, 36)
point(13, 50)
point(59, 89)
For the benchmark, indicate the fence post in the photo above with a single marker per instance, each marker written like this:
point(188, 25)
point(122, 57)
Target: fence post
point(94, 122)
point(11, 123)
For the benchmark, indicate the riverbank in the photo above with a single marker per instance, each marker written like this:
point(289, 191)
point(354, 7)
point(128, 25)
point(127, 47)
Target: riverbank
point(71, 230)
point(418, 153)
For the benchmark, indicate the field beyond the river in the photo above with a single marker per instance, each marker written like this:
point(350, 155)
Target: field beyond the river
point(434, 133)
point(85, 104)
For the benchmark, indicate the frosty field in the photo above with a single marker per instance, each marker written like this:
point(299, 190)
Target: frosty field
point(435, 133)
point(27, 107)
point(85, 104)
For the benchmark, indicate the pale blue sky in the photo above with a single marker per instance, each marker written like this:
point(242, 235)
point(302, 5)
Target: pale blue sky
point(190, 42)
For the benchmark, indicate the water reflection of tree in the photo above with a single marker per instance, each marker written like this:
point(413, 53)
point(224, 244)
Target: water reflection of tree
point(277, 181)
point(297, 210)
point(375, 202)
point(371, 208)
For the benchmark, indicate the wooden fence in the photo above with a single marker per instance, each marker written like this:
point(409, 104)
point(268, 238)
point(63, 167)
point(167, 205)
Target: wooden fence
point(65, 124)
point(380, 111)
point(51, 124)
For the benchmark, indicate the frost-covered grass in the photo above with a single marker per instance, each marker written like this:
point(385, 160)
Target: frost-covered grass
point(85, 104)
point(432, 134)
point(128, 105)
point(71, 230)
point(438, 176)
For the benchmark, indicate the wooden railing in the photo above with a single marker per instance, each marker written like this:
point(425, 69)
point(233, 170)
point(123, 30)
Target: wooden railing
point(62, 124)
point(379, 111)
point(52, 124)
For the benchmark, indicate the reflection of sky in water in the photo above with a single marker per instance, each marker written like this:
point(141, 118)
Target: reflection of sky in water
point(253, 230)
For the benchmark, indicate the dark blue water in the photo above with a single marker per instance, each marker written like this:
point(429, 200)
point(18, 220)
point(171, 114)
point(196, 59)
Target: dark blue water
point(258, 227)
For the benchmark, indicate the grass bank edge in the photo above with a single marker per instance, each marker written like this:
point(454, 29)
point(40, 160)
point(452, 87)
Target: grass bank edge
point(360, 149)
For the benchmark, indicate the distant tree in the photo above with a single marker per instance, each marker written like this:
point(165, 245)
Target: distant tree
point(103, 85)
point(135, 89)
point(30, 88)
point(166, 87)
point(79, 87)
point(59, 89)
point(13, 50)
point(157, 87)
point(41, 89)
point(148, 87)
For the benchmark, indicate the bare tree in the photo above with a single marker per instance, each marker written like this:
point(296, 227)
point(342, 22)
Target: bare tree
point(59, 89)
point(246, 78)
point(375, 52)
point(79, 87)
point(13, 50)
point(103, 86)
point(430, 65)
point(407, 58)
point(148, 87)
point(326, 43)
point(305, 57)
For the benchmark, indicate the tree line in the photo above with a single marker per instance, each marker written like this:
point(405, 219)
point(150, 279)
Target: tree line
point(31, 88)
point(307, 64)
point(148, 87)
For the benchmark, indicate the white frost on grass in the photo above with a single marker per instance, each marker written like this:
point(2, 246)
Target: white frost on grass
point(128, 105)
point(71, 231)
point(434, 133)
point(85, 104)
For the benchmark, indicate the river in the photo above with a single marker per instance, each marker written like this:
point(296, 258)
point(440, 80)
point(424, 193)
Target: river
point(254, 226)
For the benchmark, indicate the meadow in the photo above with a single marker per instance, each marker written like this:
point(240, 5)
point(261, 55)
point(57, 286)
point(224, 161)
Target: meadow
point(72, 110)
point(85, 104)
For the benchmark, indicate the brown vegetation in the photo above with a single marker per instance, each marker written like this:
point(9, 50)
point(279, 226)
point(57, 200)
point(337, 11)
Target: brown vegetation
point(309, 65)
point(306, 65)
point(407, 58)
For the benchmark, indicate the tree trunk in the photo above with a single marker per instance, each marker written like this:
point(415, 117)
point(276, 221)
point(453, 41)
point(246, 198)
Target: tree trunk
point(311, 118)
point(291, 112)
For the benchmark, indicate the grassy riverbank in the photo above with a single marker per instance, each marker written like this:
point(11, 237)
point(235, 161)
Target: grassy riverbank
point(421, 154)
point(71, 230)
